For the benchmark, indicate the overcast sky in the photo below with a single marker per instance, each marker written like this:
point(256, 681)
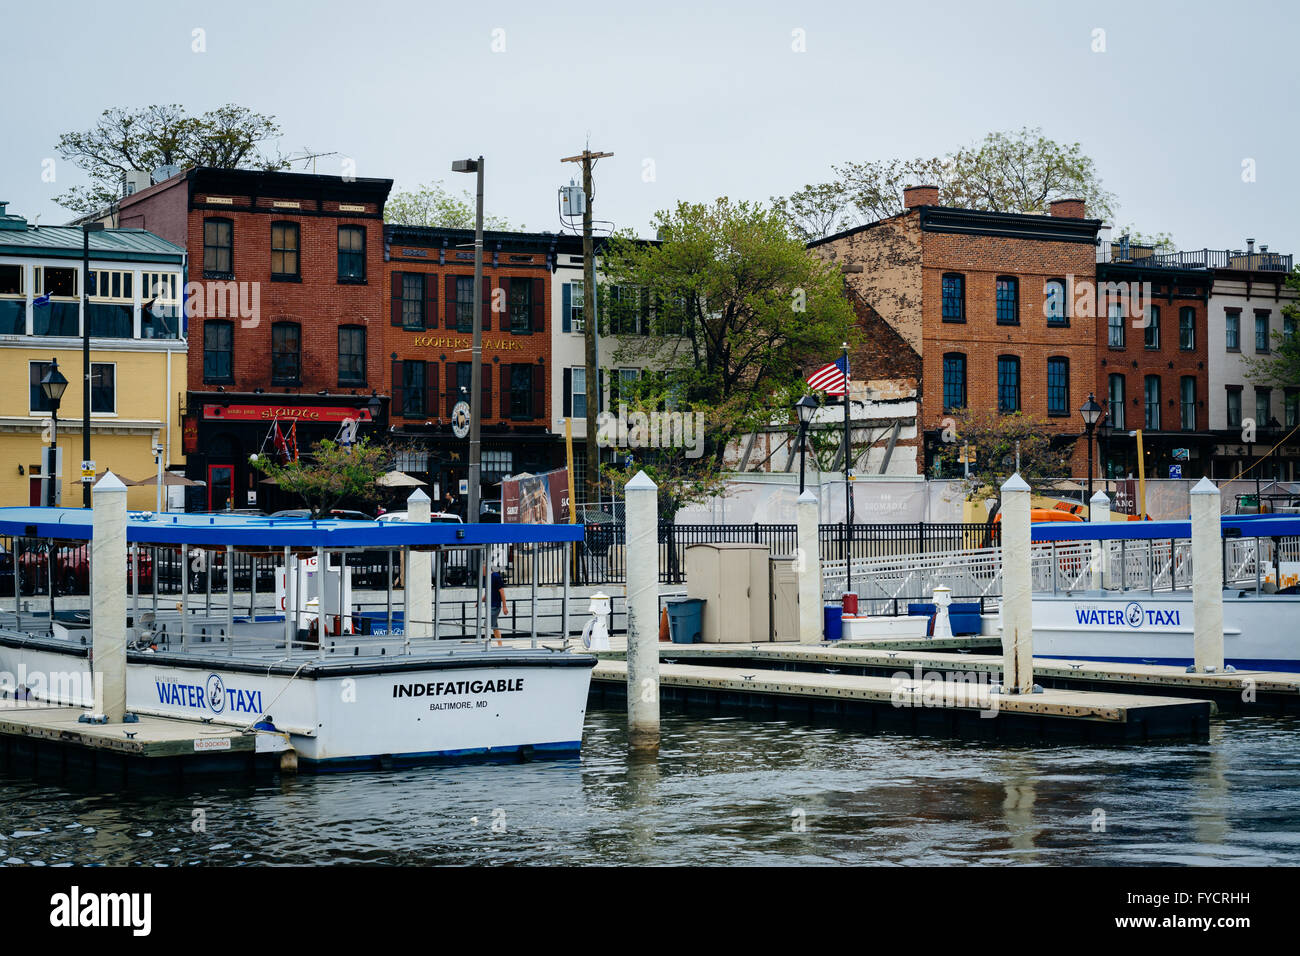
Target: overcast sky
point(696, 99)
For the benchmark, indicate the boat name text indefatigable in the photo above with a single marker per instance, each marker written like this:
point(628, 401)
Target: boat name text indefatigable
point(439, 688)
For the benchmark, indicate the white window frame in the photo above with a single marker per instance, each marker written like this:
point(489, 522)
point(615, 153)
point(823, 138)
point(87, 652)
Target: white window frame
point(577, 301)
point(575, 392)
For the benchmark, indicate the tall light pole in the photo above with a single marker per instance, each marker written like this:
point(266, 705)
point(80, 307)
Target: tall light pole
point(1091, 412)
point(805, 407)
point(86, 229)
point(476, 368)
point(53, 384)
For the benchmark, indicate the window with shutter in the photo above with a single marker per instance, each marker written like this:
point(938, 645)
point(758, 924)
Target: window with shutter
point(539, 305)
point(538, 409)
point(449, 385)
point(566, 306)
point(395, 315)
point(503, 380)
point(486, 304)
point(431, 301)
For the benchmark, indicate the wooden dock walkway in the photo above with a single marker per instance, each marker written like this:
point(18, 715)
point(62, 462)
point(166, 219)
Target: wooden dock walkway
point(51, 739)
point(1243, 690)
point(888, 703)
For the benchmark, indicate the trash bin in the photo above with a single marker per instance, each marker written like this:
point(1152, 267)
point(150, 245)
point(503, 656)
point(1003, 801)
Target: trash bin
point(685, 618)
point(832, 622)
point(850, 603)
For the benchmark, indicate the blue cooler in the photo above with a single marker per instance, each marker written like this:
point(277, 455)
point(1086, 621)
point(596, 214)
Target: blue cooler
point(833, 622)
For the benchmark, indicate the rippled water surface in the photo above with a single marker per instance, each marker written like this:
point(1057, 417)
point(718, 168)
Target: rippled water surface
point(724, 790)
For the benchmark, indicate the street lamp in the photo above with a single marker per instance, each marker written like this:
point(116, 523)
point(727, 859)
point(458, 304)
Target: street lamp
point(476, 369)
point(86, 229)
point(53, 385)
point(1091, 413)
point(805, 407)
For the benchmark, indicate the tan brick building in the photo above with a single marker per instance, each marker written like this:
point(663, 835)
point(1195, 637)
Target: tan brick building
point(990, 306)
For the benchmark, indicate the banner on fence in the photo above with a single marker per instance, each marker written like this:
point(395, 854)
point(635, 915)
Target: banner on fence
point(536, 499)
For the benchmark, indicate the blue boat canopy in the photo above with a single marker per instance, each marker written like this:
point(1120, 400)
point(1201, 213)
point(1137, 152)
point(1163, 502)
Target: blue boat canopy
point(1233, 526)
point(255, 531)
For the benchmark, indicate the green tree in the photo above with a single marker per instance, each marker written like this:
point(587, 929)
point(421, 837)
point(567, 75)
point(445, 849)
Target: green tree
point(330, 473)
point(228, 137)
point(995, 441)
point(732, 309)
point(432, 205)
point(1280, 368)
point(1020, 171)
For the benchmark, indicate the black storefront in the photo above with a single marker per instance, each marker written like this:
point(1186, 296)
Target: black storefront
point(223, 429)
point(432, 453)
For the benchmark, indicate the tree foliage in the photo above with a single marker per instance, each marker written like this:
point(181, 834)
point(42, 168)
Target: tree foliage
point(330, 473)
point(995, 440)
point(433, 205)
point(734, 309)
point(1280, 367)
point(228, 137)
point(1020, 171)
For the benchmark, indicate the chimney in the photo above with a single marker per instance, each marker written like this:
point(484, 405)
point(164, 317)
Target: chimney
point(1067, 208)
point(1250, 247)
point(914, 196)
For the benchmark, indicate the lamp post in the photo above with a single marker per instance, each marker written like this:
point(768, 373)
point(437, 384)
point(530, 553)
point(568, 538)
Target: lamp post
point(53, 385)
point(476, 369)
point(805, 407)
point(1091, 413)
point(86, 229)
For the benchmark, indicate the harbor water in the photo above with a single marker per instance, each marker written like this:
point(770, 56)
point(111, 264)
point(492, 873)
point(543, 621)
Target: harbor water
point(724, 790)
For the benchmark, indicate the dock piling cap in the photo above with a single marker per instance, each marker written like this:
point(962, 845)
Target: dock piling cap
point(1205, 487)
point(110, 483)
point(641, 482)
point(808, 496)
point(1015, 483)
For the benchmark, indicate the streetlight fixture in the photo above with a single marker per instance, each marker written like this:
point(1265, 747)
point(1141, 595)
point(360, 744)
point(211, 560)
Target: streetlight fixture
point(476, 367)
point(805, 408)
point(1091, 413)
point(53, 385)
point(86, 229)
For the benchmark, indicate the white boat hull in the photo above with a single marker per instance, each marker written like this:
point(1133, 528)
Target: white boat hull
point(1259, 633)
point(338, 716)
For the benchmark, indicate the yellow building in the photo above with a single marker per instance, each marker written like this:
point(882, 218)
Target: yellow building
point(137, 356)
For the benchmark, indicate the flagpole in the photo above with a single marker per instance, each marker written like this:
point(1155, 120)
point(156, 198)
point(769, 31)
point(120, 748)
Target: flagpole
point(848, 490)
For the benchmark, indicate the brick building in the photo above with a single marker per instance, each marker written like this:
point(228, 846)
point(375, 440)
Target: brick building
point(286, 297)
point(994, 309)
point(428, 291)
point(1152, 365)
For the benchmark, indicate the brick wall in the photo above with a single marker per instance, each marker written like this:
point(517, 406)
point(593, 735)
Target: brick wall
point(440, 344)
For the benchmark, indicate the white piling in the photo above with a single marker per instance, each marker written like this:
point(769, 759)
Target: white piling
point(1207, 578)
point(942, 622)
point(808, 567)
point(1017, 589)
point(642, 522)
point(108, 584)
point(1099, 512)
point(419, 575)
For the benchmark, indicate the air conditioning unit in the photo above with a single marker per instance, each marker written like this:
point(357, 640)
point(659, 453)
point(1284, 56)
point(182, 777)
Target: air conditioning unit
point(134, 180)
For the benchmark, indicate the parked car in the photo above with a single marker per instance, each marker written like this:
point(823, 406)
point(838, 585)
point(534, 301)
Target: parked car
point(336, 514)
point(601, 532)
point(71, 569)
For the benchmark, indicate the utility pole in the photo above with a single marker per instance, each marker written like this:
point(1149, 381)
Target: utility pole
point(589, 322)
point(476, 411)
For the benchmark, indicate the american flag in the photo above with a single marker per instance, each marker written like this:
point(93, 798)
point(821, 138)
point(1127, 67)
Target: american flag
point(830, 378)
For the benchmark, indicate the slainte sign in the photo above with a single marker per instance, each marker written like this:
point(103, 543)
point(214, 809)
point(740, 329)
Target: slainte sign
point(440, 688)
point(446, 342)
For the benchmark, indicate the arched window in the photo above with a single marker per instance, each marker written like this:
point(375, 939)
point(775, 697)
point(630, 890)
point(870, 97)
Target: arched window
point(954, 380)
point(1054, 304)
point(1008, 296)
point(954, 297)
point(1008, 384)
point(286, 353)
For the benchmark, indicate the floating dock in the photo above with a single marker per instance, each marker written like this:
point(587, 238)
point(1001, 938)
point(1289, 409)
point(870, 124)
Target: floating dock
point(887, 703)
point(1233, 691)
point(51, 740)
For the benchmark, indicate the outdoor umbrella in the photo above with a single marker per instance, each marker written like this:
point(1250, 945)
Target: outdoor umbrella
point(399, 479)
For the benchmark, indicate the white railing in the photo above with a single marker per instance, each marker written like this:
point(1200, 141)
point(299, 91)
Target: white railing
point(1133, 565)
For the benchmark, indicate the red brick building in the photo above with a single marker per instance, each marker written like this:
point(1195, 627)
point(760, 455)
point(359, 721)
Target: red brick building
point(286, 297)
point(1152, 373)
point(429, 303)
point(988, 305)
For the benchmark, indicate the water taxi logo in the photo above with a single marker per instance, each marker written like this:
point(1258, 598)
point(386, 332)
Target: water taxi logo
point(76, 909)
point(1133, 614)
point(216, 692)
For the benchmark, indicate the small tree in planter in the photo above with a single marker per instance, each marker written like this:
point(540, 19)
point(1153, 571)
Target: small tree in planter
point(329, 473)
